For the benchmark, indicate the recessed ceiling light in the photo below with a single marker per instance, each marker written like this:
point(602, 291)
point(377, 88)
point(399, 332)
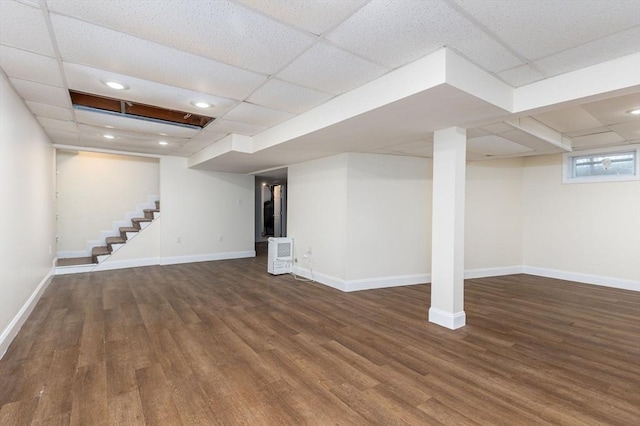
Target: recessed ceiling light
point(163, 143)
point(202, 105)
point(634, 111)
point(114, 84)
point(109, 136)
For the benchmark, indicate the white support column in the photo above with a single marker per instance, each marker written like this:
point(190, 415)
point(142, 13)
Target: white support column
point(447, 248)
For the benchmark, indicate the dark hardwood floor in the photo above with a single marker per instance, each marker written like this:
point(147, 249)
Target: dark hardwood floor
point(226, 343)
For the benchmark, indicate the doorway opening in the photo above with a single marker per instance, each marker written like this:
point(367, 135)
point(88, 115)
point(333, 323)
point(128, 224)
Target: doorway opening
point(271, 204)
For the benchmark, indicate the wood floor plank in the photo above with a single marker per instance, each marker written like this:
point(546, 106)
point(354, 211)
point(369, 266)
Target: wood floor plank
point(225, 343)
point(157, 403)
point(89, 389)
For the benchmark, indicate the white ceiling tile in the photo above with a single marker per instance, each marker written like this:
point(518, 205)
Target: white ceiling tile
point(63, 138)
point(615, 110)
point(585, 132)
point(329, 69)
point(627, 131)
point(87, 79)
point(476, 133)
point(34, 3)
point(96, 134)
point(288, 97)
point(128, 145)
point(219, 30)
point(472, 156)
point(50, 111)
point(229, 126)
point(595, 52)
point(418, 144)
point(58, 125)
point(24, 27)
point(381, 151)
point(521, 75)
point(42, 93)
point(485, 52)
point(201, 141)
point(315, 16)
point(536, 28)
point(568, 119)
point(128, 55)
point(394, 33)
point(599, 139)
point(130, 124)
point(257, 115)
point(30, 66)
point(495, 145)
point(422, 149)
point(497, 128)
point(528, 140)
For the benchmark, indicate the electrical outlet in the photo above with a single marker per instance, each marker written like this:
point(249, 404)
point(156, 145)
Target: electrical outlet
point(220, 238)
point(179, 240)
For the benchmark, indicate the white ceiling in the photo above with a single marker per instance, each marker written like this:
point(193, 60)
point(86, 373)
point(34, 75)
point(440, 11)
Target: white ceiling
point(261, 63)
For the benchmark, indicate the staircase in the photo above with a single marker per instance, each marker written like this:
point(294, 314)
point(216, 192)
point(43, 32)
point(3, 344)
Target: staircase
point(112, 242)
point(98, 254)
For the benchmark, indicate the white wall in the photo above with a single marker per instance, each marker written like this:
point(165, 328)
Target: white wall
point(367, 218)
point(211, 214)
point(388, 216)
point(96, 189)
point(590, 229)
point(493, 214)
point(27, 212)
point(317, 214)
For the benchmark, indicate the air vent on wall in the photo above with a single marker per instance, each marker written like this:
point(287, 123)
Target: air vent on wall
point(122, 108)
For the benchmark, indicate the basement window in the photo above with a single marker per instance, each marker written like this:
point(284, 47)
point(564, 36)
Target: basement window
point(602, 165)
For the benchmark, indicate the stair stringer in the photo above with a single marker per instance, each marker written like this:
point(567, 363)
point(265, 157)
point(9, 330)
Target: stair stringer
point(143, 250)
point(116, 225)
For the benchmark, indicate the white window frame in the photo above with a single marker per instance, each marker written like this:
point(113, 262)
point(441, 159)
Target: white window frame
point(567, 165)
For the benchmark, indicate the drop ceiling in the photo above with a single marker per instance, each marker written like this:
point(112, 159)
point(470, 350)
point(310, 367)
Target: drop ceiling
point(262, 64)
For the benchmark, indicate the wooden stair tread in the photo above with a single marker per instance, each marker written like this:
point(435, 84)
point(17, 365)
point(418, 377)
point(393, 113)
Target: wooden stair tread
point(141, 219)
point(115, 240)
point(100, 251)
point(75, 261)
point(129, 229)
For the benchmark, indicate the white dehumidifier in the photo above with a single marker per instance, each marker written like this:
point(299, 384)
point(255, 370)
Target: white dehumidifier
point(280, 256)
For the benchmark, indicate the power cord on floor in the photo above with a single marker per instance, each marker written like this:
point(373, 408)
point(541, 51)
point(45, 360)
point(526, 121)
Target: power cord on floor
point(297, 278)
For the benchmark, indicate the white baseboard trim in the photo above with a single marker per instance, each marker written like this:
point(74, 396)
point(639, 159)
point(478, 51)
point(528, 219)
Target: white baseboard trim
point(320, 278)
point(492, 272)
point(447, 319)
point(122, 264)
point(402, 280)
point(18, 321)
point(386, 282)
point(207, 257)
point(76, 269)
point(583, 278)
point(363, 284)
